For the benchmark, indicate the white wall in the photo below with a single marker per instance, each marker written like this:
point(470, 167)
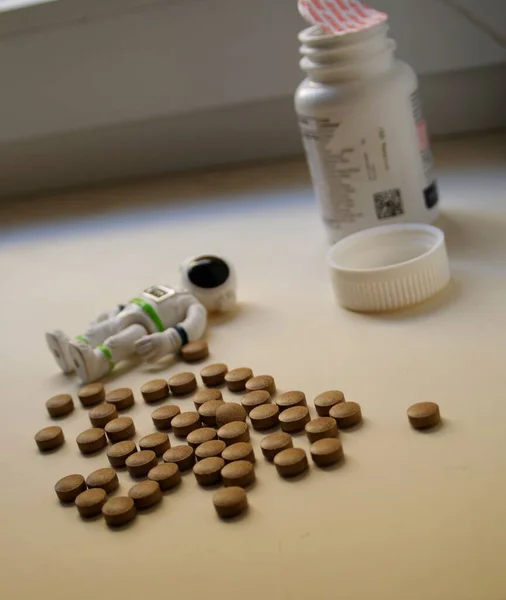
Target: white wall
point(74, 66)
point(176, 57)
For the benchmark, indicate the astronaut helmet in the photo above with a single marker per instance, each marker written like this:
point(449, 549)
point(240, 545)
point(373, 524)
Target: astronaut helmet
point(212, 280)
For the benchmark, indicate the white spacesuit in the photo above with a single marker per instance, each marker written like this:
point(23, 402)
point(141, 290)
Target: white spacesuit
point(156, 323)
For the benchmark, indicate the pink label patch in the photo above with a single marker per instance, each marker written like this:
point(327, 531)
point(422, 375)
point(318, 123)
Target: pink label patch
point(340, 16)
point(423, 135)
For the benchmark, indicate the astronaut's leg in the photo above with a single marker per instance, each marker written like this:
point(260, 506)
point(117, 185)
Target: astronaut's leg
point(58, 343)
point(93, 363)
point(97, 333)
point(102, 328)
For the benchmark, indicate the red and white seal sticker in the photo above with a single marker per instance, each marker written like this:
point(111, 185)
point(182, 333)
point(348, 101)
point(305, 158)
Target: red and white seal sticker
point(340, 16)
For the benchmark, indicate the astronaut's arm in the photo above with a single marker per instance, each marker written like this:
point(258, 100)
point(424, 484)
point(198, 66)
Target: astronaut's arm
point(157, 345)
point(195, 322)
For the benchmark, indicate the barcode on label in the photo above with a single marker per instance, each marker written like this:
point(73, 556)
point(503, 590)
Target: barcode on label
point(388, 204)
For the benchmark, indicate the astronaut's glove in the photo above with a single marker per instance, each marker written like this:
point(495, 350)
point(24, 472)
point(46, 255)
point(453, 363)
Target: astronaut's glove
point(157, 345)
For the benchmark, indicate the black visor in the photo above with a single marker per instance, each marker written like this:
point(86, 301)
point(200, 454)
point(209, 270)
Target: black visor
point(208, 272)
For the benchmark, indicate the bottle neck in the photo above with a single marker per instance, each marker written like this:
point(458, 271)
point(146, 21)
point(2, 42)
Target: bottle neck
point(348, 57)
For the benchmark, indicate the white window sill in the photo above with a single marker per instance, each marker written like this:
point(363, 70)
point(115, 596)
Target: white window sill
point(6, 5)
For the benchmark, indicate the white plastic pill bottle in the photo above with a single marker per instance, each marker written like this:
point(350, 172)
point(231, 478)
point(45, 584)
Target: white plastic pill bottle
point(364, 133)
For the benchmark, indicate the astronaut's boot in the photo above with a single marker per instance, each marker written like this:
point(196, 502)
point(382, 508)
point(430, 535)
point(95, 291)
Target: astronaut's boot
point(90, 363)
point(58, 343)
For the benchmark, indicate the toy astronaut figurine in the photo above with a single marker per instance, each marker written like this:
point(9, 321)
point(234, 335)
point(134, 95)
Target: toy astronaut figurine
point(156, 323)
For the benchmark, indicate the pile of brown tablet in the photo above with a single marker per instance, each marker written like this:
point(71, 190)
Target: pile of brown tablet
point(217, 435)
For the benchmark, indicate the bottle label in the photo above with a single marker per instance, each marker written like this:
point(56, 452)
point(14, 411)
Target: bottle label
point(371, 164)
point(430, 192)
point(422, 135)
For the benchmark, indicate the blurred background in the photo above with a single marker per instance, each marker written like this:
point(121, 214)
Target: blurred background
point(99, 90)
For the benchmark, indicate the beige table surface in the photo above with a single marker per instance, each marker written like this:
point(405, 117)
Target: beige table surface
point(407, 516)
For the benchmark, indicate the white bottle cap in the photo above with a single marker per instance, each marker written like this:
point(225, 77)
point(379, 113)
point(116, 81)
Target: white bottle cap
point(389, 267)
